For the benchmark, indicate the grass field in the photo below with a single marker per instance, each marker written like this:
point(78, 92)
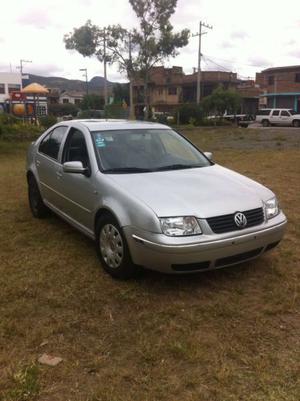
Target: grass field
point(228, 335)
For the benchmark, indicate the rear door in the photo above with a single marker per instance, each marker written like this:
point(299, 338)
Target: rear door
point(48, 164)
point(275, 117)
point(285, 117)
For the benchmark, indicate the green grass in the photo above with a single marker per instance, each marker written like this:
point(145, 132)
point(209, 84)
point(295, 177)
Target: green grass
point(227, 335)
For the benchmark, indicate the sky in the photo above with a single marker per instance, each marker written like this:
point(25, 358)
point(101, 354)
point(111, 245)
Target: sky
point(247, 36)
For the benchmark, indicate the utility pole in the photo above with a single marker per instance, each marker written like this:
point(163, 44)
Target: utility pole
point(105, 75)
point(130, 76)
point(200, 33)
point(20, 67)
point(86, 80)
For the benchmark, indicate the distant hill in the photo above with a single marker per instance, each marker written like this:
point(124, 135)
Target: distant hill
point(95, 84)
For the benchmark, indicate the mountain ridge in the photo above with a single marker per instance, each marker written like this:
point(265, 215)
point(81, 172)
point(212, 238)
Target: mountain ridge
point(96, 83)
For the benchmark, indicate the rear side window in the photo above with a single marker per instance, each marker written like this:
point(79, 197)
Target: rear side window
point(263, 112)
point(275, 113)
point(51, 143)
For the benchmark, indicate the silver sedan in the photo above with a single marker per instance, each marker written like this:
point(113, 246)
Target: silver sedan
point(149, 197)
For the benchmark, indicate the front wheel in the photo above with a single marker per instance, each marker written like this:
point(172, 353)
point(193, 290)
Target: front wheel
point(37, 206)
point(112, 248)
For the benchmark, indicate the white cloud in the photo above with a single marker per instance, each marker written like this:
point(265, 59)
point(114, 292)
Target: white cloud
point(239, 35)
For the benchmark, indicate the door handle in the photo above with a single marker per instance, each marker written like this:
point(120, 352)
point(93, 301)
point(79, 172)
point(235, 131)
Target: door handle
point(37, 163)
point(58, 174)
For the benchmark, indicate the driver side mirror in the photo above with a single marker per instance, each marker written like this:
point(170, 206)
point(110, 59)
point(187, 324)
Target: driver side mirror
point(75, 168)
point(209, 155)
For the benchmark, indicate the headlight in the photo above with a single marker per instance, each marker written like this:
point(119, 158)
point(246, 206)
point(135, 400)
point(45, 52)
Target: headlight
point(272, 208)
point(180, 226)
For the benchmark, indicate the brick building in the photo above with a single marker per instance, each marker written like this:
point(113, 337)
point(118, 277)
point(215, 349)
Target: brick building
point(281, 86)
point(170, 87)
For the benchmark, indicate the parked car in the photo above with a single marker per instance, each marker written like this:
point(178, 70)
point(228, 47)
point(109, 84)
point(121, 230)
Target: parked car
point(149, 197)
point(283, 117)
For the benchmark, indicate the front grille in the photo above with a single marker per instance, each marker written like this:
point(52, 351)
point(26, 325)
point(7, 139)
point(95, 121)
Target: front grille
point(191, 266)
point(240, 257)
point(226, 223)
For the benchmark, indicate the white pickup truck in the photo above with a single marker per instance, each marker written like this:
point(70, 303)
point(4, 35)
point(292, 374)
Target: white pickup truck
point(284, 117)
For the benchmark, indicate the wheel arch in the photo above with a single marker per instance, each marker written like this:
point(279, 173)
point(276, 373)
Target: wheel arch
point(104, 210)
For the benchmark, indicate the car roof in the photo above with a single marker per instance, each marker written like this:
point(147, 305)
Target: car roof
point(112, 124)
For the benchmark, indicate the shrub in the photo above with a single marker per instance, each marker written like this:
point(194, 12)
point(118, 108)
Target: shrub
point(47, 121)
point(190, 112)
point(62, 109)
point(116, 111)
point(91, 114)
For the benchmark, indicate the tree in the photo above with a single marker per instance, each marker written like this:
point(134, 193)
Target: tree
point(155, 40)
point(221, 101)
point(112, 44)
point(87, 40)
point(121, 92)
point(92, 101)
point(135, 51)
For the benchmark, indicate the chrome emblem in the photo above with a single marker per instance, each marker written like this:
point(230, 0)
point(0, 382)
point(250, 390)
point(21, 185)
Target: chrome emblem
point(240, 220)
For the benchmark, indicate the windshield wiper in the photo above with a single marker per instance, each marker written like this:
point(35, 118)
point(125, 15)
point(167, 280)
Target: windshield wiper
point(177, 167)
point(124, 170)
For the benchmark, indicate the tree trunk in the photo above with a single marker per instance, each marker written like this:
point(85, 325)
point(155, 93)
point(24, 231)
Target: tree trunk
point(146, 100)
point(131, 107)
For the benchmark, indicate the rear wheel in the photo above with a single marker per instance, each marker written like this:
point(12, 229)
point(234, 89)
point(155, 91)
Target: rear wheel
point(265, 123)
point(296, 123)
point(112, 248)
point(37, 206)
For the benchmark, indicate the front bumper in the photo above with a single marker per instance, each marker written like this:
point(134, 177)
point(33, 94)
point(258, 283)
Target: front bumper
point(190, 254)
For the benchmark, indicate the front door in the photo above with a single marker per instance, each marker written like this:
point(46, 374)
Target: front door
point(78, 189)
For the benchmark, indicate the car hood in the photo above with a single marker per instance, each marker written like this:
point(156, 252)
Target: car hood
point(201, 192)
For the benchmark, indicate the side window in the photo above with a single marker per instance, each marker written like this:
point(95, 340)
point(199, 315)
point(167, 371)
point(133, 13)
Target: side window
point(51, 143)
point(285, 113)
point(275, 113)
point(75, 148)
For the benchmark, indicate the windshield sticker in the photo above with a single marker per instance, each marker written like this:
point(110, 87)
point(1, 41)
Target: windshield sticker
point(100, 142)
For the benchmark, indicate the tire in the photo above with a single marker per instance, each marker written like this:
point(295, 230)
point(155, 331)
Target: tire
point(265, 123)
point(38, 209)
point(296, 123)
point(112, 249)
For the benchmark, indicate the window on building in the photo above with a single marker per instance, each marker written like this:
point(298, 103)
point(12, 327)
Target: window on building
point(65, 101)
point(271, 80)
point(160, 91)
point(297, 77)
point(2, 88)
point(77, 101)
point(172, 90)
point(13, 88)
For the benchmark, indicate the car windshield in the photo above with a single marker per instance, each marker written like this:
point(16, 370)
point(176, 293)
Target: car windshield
point(145, 150)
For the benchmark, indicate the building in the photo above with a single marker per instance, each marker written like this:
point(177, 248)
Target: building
point(170, 87)
point(71, 97)
point(281, 87)
point(250, 93)
point(9, 82)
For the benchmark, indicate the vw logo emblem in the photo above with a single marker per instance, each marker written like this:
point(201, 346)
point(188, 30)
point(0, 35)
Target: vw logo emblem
point(240, 220)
